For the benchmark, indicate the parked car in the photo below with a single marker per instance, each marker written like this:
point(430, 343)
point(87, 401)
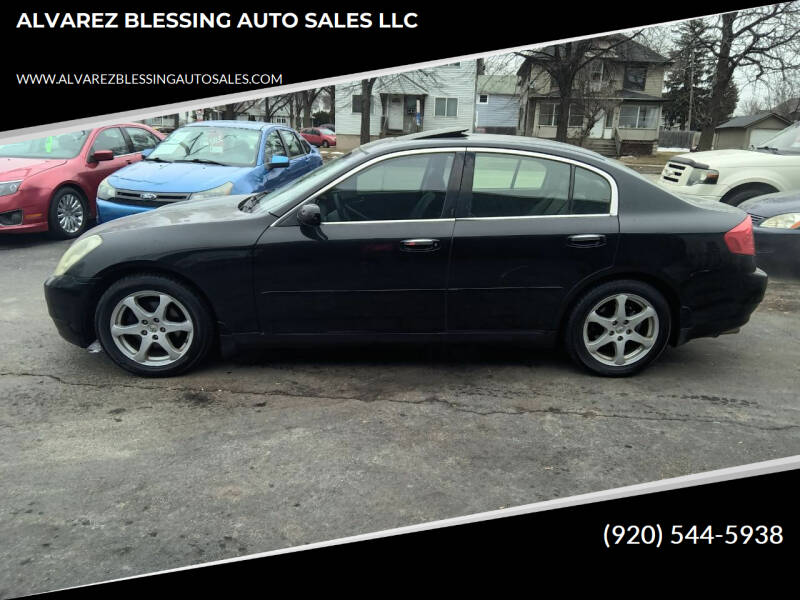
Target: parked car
point(205, 159)
point(776, 225)
point(50, 183)
point(436, 235)
point(733, 176)
point(319, 136)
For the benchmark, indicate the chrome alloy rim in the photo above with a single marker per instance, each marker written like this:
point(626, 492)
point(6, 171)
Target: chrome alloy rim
point(69, 213)
point(151, 328)
point(620, 329)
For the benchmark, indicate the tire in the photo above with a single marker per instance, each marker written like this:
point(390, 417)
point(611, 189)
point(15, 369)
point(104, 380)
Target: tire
point(68, 215)
point(178, 325)
point(739, 196)
point(325, 143)
point(596, 317)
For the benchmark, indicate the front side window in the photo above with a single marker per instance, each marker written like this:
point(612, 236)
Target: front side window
point(231, 146)
point(446, 107)
point(292, 144)
point(110, 139)
point(505, 185)
point(66, 145)
point(141, 139)
point(274, 147)
point(401, 188)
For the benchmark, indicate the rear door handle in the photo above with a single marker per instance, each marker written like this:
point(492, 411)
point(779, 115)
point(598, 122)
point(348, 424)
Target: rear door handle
point(586, 240)
point(419, 245)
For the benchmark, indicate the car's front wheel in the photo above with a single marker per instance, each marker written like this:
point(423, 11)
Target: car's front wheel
point(618, 328)
point(69, 214)
point(153, 325)
point(325, 143)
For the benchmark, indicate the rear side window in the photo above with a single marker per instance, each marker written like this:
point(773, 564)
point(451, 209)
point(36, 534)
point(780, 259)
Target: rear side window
point(505, 185)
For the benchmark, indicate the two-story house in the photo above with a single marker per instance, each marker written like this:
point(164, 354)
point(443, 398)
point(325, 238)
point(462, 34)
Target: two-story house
point(430, 98)
point(616, 105)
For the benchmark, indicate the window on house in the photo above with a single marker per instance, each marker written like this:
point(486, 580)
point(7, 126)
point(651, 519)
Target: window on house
point(483, 99)
point(356, 103)
point(597, 70)
point(575, 116)
point(635, 78)
point(638, 116)
point(548, 114)
point(446, 107)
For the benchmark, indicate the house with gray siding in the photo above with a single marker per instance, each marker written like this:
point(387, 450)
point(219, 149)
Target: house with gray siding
point(404, 103)
point(620, 93)
point(747, 131)
point(496, 104)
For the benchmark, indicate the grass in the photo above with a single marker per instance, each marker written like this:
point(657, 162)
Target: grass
point(659, 158)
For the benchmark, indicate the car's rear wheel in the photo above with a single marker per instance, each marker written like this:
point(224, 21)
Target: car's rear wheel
point(618, 328)
point(69, 214)
point(153, 325)
point(325, 143)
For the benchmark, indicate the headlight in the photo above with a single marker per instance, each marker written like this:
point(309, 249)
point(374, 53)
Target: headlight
point(787, 221)
point(76, 252)
point(703, 176)
point(9, 187)
point(222, 190)
point(105, 190)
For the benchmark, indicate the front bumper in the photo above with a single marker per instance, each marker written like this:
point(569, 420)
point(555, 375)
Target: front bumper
point(108, 211)
point(725, 313)
point(70, 302)
point(778, 251)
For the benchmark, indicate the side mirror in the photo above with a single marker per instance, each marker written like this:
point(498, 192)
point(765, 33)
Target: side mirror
point(101, 155)
point(146, 152)
point(310, 215)
point(277, 161)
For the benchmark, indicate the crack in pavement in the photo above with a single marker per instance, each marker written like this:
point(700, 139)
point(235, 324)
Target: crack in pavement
point(430, 401)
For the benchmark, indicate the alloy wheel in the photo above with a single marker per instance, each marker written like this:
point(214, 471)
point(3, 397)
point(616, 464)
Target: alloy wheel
point(620, 329)
point(70, 213)
point(151, 328)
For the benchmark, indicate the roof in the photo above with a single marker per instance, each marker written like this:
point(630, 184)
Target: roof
point(616, 94)
point(750, 120)
point(497, 84)
point(258, 125)
point(464, 137)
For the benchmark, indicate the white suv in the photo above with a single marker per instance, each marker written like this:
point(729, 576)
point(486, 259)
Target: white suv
point(733, 176)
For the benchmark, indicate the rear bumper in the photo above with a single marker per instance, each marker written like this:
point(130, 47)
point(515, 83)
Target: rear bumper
point(108, 211)
point(70, 304)
point(722, 316)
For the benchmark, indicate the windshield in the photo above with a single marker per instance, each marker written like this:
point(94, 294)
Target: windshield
point(284, 197)
point(66, 145)
point(787, 140)
point(229, 146)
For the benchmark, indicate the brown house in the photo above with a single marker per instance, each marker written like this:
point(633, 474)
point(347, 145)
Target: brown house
point(752, 130)
point(618, 100)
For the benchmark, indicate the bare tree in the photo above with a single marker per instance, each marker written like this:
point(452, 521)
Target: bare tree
point(762, 40)
point(564, 62)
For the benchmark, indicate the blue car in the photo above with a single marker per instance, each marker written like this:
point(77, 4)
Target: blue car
point(205, 159)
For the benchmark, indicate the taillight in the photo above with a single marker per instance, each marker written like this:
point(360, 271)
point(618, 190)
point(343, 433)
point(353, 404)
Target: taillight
point(740, 239)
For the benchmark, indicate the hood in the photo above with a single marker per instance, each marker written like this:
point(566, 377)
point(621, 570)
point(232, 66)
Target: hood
point(188, 212)
point(720, 159)
point(770, 205)
point(12, 168)
point(154, 176)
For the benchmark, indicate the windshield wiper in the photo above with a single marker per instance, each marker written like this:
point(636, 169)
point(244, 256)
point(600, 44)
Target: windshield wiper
point(158, 159)
point(770, 148)
point(205, 161)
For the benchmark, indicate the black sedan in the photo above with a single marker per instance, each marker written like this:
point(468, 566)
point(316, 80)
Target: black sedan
point(439, 235)
point(776, 225)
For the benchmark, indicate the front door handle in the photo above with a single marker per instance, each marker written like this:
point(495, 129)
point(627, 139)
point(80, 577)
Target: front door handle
point(419, 245)
point(586, 240)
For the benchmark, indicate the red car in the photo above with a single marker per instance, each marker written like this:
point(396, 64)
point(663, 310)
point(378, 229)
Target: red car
point(50, 183)
point(319, 136)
